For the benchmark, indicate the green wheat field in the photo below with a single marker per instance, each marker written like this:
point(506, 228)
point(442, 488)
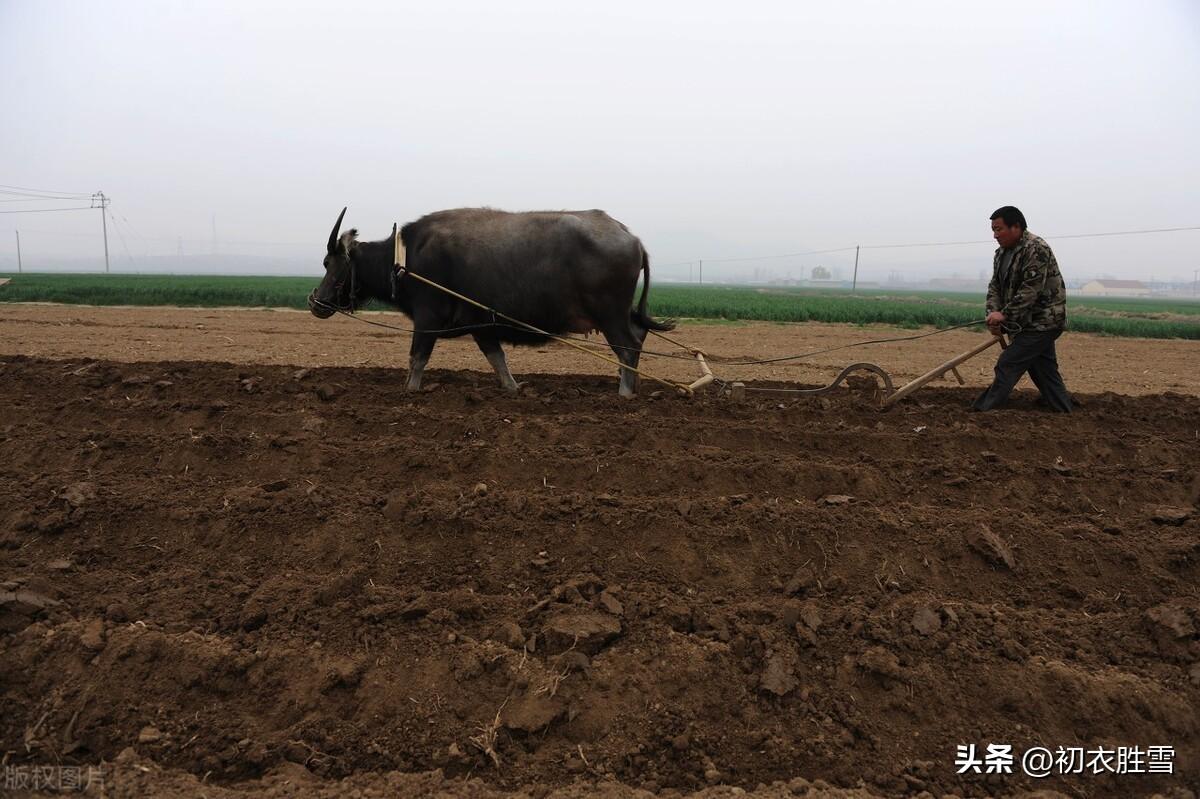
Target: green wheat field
point(1147, 318)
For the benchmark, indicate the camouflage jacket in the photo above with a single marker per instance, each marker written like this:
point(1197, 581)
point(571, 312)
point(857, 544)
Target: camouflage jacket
point(1032, 294)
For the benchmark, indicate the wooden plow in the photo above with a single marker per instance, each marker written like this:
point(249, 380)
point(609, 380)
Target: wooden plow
point(888, 395)
point(706, 375)
point(933, 374)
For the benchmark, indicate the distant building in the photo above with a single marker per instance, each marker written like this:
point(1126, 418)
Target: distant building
point(1115, 288)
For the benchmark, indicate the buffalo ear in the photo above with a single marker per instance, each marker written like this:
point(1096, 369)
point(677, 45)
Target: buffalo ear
point(333, 237)
point(347, 240)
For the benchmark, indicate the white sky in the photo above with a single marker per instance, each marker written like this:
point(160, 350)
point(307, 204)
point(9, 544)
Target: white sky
point(712, 130)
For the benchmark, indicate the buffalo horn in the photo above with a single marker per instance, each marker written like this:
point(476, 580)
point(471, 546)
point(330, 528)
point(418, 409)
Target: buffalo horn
point(336, 227)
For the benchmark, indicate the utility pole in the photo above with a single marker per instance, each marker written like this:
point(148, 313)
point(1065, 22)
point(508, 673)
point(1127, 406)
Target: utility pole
point(18, 252)
point(701, 262)
point(99, 197)
point(854, 284)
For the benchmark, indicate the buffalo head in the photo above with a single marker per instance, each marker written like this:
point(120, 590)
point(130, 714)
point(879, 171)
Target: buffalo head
point(337, 290)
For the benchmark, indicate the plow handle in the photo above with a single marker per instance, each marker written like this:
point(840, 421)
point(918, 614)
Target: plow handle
point(934, 374)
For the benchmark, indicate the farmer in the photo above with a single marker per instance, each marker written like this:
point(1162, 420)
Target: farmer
point(1026, 297)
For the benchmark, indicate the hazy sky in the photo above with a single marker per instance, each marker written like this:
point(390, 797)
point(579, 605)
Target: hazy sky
point(712, 130)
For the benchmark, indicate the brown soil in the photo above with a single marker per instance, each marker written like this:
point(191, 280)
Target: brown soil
point(1090, 364)
point(249, 578)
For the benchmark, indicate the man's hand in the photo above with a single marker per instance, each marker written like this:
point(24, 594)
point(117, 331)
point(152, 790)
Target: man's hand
point(994, 321)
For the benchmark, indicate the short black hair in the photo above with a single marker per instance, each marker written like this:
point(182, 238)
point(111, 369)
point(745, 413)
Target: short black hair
point(1011, 216)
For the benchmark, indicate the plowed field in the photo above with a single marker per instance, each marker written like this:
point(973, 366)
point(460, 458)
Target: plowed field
point(275, 573)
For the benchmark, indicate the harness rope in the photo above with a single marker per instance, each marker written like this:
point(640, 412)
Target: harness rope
point(562, 339)
point(401, 270)
point(1009, 327)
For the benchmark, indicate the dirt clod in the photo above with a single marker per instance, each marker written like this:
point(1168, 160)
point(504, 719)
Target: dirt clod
point(531, 713)
point(79, 494)
point(587, 631)
point(149, 735)
point(881, 661)
point(509, 633)
point(1169, 515)
point(778, 677)
point(803, 581)
point(992, 547)
point(93, 635)
point(926, 621)
point(610, 604)
point(1172, 625)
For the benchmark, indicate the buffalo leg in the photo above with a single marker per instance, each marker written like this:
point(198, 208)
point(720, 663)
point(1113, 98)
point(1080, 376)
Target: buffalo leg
point(418, 356)
point(628, 350)
point(638, 331)
point(495, 354)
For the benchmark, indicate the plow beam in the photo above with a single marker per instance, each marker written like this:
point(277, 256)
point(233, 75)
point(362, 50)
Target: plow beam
point(933, 374)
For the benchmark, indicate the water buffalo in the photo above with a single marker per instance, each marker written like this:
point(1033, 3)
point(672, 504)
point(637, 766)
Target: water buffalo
point(561, 271)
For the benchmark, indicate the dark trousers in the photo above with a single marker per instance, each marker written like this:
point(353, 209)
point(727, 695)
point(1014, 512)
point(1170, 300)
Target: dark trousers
point(1032, 352)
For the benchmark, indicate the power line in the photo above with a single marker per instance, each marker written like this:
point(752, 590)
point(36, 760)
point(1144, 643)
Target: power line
point(133, 234)
point(57, 233)
point(24, 193)
point(120, 235)
point(923, 244)
point(1126, 232)
point(48, 210)
point(98, 200)
point(44, 191)
point(133, 231)
point(32, 199)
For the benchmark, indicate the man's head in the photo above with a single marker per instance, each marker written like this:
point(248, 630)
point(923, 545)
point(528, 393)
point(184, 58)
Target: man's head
point(1008, 223)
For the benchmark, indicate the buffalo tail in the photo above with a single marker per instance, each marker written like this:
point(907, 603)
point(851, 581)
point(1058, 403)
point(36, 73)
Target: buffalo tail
point(640, 314)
